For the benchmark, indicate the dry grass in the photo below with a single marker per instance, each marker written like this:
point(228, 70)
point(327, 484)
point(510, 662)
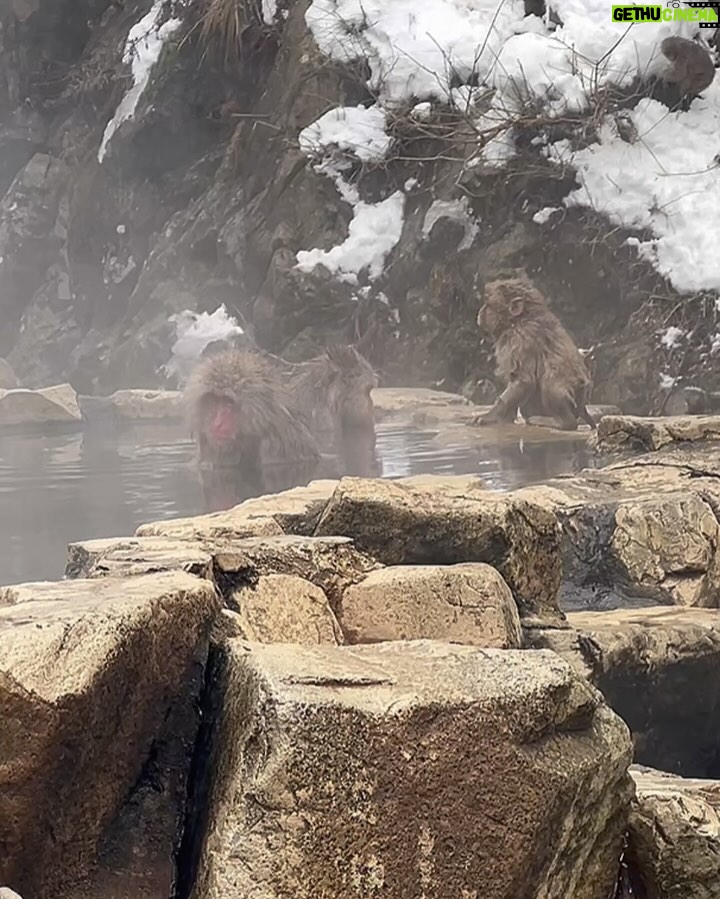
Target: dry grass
point(225, 22)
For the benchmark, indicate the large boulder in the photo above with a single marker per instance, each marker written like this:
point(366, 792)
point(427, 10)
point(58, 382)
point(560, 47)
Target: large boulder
point(403, 525)
point(465, 603)
point(294, 511)
point(112, 556)
point(99, 682)
point(639, 532)
point(404, 768)
point(284, 608)
point(50, 405)
point(659, 669)
point(630, 432)
point(674, 836)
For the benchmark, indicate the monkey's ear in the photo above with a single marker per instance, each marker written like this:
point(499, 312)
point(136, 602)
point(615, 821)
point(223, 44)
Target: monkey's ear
point(516, 307)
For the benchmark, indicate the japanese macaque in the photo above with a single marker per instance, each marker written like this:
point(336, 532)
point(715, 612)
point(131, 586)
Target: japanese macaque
point(545, 374)
point(333, 392)
point(8, 378)
point(241, 417)
point(691, 71)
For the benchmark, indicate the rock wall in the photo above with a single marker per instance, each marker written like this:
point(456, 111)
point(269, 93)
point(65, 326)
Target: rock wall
point(203, 196)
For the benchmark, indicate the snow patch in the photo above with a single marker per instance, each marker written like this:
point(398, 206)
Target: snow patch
point(545, 214)
point(354, 128)
point(457, 211)
point(667, 182)
point(143, 46)
point(671, 337)
point(193, 332)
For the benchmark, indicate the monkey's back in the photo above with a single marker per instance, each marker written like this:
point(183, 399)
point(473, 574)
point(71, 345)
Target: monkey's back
point(692, 67)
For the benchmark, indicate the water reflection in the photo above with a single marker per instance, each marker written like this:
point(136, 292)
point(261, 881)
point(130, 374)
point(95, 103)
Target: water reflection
point(60, 488)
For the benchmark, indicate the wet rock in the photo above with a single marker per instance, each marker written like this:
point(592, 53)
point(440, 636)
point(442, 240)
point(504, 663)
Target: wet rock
point(98, 681)
point(293, 511)
point(153, 405)
point(142, 555)
point(284, 608)
point(628, 432)
point(659, 669)
point(674, 835)
point(638, 533)
point(50, 405)
point(402, 525)
point(393, 401)
point(404, 767)
point(466, 603)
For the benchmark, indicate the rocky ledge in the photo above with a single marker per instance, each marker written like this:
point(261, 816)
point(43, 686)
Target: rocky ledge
point(366, 687)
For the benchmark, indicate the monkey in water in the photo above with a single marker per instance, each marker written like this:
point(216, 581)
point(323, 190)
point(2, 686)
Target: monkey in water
point(8, 378)
point(545, 374)
point(691, 71)
point(334, 393)
point(241, 418)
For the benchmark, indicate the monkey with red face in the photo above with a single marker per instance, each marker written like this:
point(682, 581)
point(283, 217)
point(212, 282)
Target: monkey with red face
point(239, 414)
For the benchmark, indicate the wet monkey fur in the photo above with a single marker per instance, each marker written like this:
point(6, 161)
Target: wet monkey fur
point(240, 415)
point(545, 375)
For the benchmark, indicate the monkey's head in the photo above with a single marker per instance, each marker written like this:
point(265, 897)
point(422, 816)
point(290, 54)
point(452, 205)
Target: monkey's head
point(353, 380)
point(509, 301)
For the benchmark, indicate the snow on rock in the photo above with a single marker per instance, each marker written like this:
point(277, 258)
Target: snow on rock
point(354, 128)
point(455, 210)
point(373, 232)
point(667, 181)
point(143, 46)
point(671, 337)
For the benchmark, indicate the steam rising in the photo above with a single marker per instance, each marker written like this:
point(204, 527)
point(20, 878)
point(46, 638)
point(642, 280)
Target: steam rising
point(194, 331)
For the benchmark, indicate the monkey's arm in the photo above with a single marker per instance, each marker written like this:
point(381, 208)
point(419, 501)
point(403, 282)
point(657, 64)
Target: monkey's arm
point(506, 405)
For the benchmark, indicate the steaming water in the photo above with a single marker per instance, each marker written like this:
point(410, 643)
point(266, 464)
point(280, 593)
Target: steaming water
point(61, 488)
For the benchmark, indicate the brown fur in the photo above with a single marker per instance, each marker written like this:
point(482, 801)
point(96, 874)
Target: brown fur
point(333, 391)
point(8, 378)
point(271, 430)
point(536, 357)
point(692, 67)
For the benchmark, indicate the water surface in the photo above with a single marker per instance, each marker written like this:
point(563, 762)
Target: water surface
point(59, 488)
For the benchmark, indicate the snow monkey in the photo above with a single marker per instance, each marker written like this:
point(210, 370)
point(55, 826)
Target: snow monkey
point(692, 69)
point(333, 392)
point(240, 415)
point(8, 378)
point(545, 374)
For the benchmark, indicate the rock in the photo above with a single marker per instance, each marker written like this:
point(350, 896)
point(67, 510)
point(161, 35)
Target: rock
point(629, 432)
point(284, 608)
point(7, 893)
point(331, 563)
point(295, 511)
point(50, 405)
point(410, 402)
point(465, 603)
point(659, 669)
point(138, 405)
point(401, 525)
point(640, 532)
point(141, 555)
point(98, 685)
point(8, 378)
point(674, 835)
point(403, 768)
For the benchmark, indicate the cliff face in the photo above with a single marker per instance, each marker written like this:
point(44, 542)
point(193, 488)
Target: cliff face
point(156, 157)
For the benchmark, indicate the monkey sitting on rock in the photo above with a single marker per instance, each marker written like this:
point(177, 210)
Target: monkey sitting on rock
point(546, 376)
